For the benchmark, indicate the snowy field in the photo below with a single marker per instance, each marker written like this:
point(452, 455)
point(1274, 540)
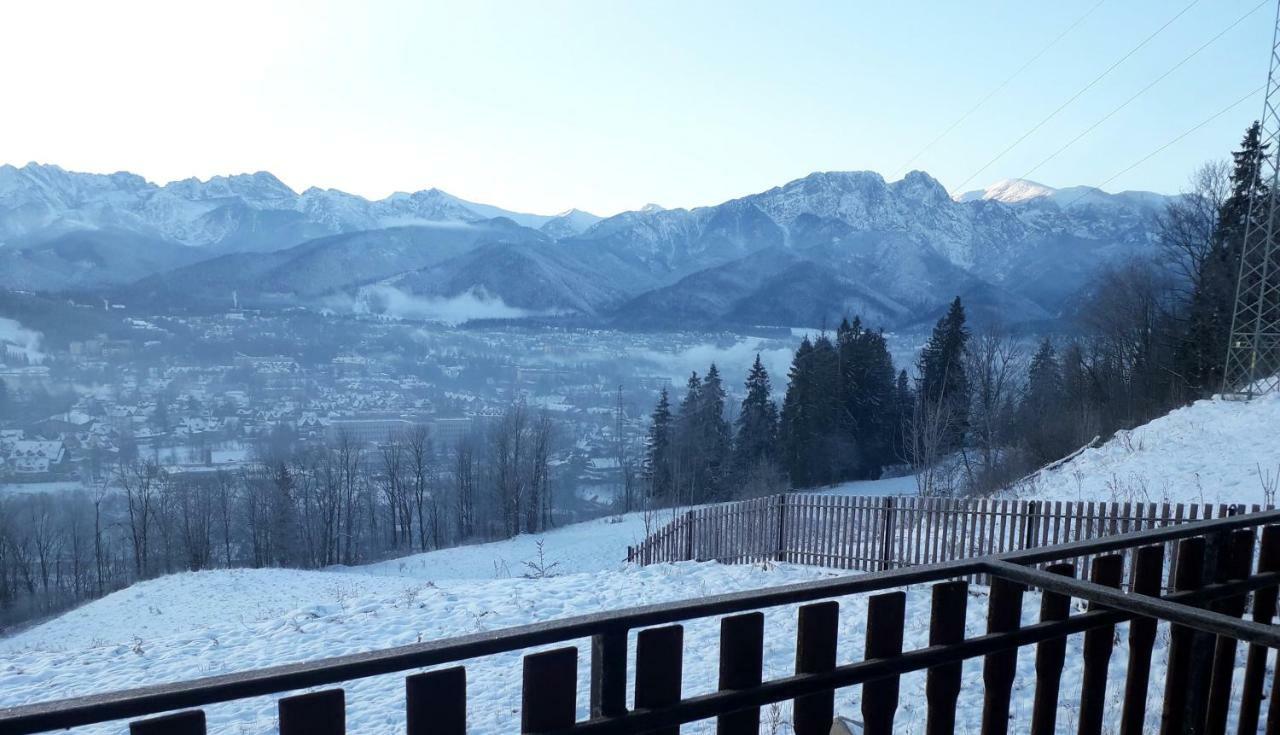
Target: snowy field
point(217, 622)
point(1213, 451)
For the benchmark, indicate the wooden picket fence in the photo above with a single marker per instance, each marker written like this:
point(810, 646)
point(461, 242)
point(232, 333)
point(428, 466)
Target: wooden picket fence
point(877, 533)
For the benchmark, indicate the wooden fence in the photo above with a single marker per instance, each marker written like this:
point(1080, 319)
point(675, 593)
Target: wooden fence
point(877, 533)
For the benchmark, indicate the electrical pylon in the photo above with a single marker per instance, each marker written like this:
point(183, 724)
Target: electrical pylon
point(1253, 352)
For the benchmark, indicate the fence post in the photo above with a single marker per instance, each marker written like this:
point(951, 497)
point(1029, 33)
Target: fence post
point(688, 536)
point(1264, 609)
point(1032, 524)
point(886, 536)
point(609, 673)
point(817, 630)
point(782, 527)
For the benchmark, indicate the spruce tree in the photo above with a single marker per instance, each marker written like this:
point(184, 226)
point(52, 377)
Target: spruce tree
point(794, 436)
point(944, 384)
point(904, 400)
point(1042, 409)
point(687, 452)
point(657, 462)
point(716, 437)
point(868, 394)
point(757, 423)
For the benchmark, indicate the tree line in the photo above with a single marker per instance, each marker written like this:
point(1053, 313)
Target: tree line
point(299, 505)
point(981, 409)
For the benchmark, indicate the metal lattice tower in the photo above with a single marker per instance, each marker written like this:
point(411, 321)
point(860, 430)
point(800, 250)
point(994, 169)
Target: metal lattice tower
point(1253, 352)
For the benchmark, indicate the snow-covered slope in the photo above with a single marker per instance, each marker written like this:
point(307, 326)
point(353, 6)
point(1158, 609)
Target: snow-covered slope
point(217, 622)
point(1213, 451)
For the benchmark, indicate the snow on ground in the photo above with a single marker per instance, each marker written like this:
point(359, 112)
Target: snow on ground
point(1212, 451)
point(216, 622)
point(905, 485)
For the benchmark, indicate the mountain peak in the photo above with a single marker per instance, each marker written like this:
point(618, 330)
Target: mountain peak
point(921, 187)
point(1009, 191)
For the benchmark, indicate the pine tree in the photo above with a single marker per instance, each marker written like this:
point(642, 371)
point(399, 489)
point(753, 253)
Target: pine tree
point(657, 462)
point(944, 385)
point(757, 436)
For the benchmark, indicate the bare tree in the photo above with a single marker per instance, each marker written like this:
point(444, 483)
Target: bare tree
point(994, 362)
point(1189, 225)
point(140, 480)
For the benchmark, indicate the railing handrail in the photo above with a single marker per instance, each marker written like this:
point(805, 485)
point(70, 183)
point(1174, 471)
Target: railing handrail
point(121, 704)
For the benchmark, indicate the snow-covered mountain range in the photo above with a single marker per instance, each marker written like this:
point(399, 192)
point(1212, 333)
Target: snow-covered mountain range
point(802, 253)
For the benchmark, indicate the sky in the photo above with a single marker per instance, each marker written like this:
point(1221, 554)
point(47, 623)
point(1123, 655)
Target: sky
point(608, 106)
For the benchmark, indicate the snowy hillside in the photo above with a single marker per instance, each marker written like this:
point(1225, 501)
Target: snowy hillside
point(217, 622)
point(1213, 451)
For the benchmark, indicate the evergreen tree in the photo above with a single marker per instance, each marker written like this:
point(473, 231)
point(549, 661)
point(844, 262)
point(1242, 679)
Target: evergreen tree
point(1042, 409)
point(1201, 353)
point(687, 453)
point(944, 385)
point(757, 437)
point(904, 400)
point(813, 448)
point(657, 461)
point(867, 392)
point(794, 436)
point(716, 437)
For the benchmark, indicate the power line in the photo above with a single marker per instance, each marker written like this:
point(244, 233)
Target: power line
point(1077, 95)
point(1143, 91)
point(999, 87)
point(1161, 149)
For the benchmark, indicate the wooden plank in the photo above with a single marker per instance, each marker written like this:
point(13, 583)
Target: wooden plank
point(1108, 570)
point(1146, 579)
point(816, 632)
point(741, 662)
point(1050, 657)
point(886, 616)
point(1004, 614)
point(1239, 566)
point(946, 626)
point(1188, 576)
point(549, 694)
point(659, 664)
point(609, 673)
point(1264, 609)
point(319, 713)
point(436, 702)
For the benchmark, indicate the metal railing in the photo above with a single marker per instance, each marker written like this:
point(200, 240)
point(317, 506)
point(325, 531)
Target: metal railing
point(1215, 576)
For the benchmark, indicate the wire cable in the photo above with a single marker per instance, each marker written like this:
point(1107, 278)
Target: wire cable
point(1144, 90)
point(1077, 95)
point(997, 89)
point(1152, 154)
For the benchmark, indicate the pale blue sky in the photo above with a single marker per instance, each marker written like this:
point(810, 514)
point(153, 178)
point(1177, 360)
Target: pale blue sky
point(607, 105)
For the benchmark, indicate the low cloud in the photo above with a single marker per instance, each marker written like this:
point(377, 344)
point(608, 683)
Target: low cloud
point(734, 360)
point(17, 339)
point(475, 303)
